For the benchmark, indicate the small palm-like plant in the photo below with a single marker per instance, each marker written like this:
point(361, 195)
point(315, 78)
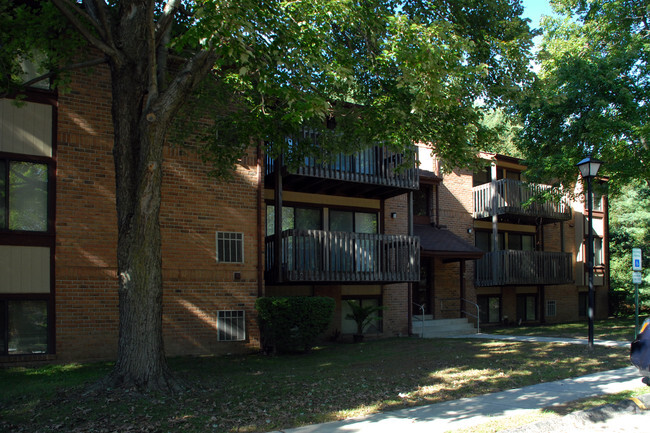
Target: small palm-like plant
point(362, 315)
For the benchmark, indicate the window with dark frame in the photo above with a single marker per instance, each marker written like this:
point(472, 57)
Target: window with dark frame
point(527, 307)
point(24, 197)
point(230, 247)
point(422, 201)
point(489, 308)
point(27, 200)
point(300, 218)
point(25, 320)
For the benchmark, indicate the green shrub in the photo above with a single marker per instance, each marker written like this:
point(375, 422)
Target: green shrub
point(292, 324)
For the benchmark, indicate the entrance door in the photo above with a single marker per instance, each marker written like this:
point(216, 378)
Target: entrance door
point(422, 291)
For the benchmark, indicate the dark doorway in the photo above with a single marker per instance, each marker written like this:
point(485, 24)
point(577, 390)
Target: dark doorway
point(423, 290)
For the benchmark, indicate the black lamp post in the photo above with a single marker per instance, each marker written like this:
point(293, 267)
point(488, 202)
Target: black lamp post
point(588, 169)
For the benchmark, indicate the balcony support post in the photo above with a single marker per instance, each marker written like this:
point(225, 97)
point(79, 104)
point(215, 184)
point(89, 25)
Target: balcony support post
point(495, 217)
point(277, 196)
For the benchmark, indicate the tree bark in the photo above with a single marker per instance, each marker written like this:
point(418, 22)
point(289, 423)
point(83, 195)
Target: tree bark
point(138, 161)
point(138, 142)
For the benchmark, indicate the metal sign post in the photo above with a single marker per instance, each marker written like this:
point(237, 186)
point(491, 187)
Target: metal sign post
point(637, 266)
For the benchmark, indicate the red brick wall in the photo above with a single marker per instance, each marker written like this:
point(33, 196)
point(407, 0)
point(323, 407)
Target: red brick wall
point(194, 207)
point(456, 207)
point(396, 296)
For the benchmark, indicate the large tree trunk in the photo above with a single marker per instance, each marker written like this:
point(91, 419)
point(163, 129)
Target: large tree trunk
point(142, 109)
point(137, 152)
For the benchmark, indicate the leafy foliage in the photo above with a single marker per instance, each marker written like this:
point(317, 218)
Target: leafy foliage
point(591, 94)
point(361, 315)
point(629, 228)
point(292, 324)
point(378, 70)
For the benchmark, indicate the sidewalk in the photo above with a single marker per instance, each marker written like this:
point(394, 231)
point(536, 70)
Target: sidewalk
point(607, 343)
point(466, 412)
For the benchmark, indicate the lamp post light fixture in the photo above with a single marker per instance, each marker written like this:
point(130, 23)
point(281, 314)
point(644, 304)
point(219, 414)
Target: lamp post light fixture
point(589, 169)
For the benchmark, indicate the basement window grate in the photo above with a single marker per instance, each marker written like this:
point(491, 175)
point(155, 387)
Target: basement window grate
point(231, 325)
point(551, 308)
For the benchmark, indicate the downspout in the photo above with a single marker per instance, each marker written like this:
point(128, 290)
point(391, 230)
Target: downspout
point(463, 290)
point(437, 188)
point(260, 223)
point(495, 219)
point(410, 284)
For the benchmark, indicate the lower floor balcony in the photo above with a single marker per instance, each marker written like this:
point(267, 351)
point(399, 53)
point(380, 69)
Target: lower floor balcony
point(318, 256)
point(502, 268)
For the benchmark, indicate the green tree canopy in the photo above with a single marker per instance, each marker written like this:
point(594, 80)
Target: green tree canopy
point(629, 228)
point(591, 93)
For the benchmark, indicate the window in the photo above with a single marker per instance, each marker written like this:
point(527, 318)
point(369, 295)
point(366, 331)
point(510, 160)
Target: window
point(23, 196)
point(521, 242)
point(551, 309)
point(294, 218)
point(489, 308)
point(482, 176)
point(23, 327)
point(526, 308)
point(484, 240)
point(597, 201)
point(598, 251)
point(422, 201)
point(583, 304)
point(26, 233)
point(514, 175)
point(231, 325)
point(230, 247)
point(349, 326)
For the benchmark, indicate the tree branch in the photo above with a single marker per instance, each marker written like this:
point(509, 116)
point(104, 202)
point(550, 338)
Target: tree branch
point(51, 74)
point(100, 6)
point(186, 80)
point(164, 23)
point(72, 12)
point(152, 93)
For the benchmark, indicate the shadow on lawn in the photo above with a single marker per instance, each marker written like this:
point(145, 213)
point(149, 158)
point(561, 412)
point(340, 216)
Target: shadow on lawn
point(262, 393)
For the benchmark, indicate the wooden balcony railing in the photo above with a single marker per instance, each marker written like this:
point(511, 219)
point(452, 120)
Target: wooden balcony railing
point(323, 256)
point(524, 267)
point(375, 166)
point(510, 196)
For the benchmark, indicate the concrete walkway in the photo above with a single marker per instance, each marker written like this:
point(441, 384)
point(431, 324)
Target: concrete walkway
point(466, 412)
point(583, 341)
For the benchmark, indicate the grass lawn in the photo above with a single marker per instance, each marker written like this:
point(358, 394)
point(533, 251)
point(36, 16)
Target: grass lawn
point(257, 393)
point(621, 329)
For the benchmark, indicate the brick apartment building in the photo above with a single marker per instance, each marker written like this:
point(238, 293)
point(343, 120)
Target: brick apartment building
point(532, 266)
point(58, 236)
point(352, 229)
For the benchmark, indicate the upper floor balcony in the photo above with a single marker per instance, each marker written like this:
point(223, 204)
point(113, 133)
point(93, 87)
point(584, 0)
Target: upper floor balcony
point(516, 200)
point(510, 267)
point(376, 172)
point(319, 256)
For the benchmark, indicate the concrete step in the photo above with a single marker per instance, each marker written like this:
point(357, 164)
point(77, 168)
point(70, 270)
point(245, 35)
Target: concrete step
point(442, 328)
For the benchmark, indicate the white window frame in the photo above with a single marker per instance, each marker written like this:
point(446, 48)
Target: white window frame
point(230, 240)
point(231, 325)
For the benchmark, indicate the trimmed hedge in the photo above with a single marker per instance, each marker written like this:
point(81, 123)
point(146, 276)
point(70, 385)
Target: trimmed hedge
point(292, 324)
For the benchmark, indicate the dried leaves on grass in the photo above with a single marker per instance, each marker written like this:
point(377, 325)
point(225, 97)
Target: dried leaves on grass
point(257, 393)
